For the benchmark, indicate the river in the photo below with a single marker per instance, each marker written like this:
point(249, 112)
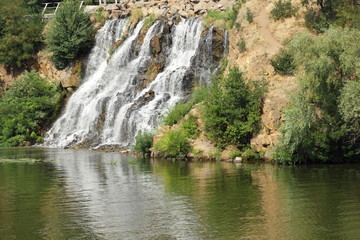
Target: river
point(81, 194)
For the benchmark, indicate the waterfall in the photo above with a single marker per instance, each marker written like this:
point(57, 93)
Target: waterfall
point(116, 99)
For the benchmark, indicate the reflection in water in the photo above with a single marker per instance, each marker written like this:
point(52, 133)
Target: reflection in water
point(95, 195)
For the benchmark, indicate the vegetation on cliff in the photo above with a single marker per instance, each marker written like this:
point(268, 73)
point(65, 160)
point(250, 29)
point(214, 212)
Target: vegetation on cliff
point(324, 13)
point(321, 123)
point(232, 109)
point(20, 32)
point(27, 107)
point(70, 34)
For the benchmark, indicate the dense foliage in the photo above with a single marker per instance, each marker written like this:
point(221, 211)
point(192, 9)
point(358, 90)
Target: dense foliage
point(144, 141)
point(20, 32)
point(321, 123)
point(70, 33)
point(233, 109)
point(282, 10)
point(324, 13)
point(283, 63)
point(28, 105)
point(174, 144)
point(190, 127)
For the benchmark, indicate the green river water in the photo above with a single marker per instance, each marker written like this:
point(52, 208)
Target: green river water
point(80, 194)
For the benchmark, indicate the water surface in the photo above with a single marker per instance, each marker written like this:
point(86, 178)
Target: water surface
point(80, 194)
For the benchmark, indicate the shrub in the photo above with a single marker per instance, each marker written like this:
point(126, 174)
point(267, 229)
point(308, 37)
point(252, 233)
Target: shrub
point(282, 10)
point(144, 142)
point(19, 35)
point(26, 108)
point(251, 154)
point(176, 113)
point(283, 63)
point(241, 45)
point(70, 34)
point(173, 145)
point(189, 126)
point(232, 109)
point(235, 153)
point(249, 15)
point(316, 21)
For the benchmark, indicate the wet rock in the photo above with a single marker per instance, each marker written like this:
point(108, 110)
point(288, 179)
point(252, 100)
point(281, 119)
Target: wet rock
point(238, 160)
point(149, 94)
point(156, 44)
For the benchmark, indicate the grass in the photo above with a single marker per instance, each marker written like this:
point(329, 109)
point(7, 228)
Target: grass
point(149, 21)
point(135, 16)
point(223, 20)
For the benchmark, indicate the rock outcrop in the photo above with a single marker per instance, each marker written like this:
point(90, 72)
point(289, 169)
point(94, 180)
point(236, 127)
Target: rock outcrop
point(164, 9)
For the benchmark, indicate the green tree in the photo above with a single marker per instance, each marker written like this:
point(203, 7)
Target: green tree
point(29, 104)
point(144, 142)
point(330, 12)
point(70, 33)
point(350, 111)
point(315, 128)
point(233, 109)
point(19, 33)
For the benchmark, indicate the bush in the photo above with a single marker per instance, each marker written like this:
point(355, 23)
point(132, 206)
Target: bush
point(249, 15)
point(283, 10)
point(19, 35)
point(176, 113)
point(316, 21)
point(232, 109)
point(144, 142)
point(241, 45)
point(70, 34)
point(26, 108)
point(283, 63)
point(190, 127)
point(251, 154)
point(173, 145)
point(234, 153)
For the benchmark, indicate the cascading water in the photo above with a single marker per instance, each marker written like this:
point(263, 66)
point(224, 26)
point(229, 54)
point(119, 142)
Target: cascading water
point(115, 101)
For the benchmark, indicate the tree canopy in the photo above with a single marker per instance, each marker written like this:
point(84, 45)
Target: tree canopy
point(320, 123)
